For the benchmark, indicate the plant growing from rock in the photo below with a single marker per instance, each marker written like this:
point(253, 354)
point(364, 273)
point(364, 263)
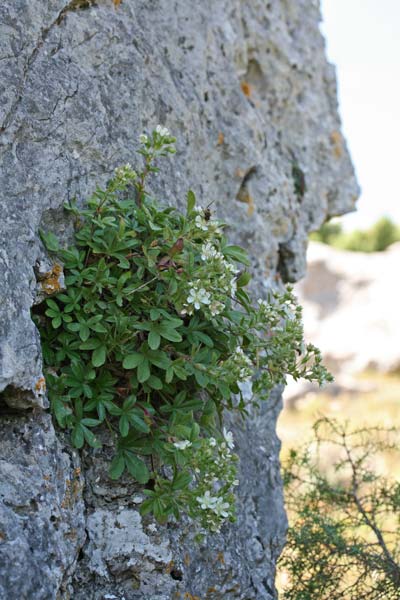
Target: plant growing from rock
point(344, 539)
point(154, 336)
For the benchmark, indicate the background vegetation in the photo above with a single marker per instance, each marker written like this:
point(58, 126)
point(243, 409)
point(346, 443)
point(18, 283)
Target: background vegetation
point(375, 239)
point(342, 494)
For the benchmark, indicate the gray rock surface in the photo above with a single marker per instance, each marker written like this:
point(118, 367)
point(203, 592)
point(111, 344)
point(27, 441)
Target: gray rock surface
point(245, 87)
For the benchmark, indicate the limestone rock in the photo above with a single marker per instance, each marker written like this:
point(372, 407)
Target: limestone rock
point(245, 87)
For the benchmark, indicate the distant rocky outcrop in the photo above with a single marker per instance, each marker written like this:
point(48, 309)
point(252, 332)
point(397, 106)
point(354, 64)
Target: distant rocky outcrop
point(351, 307)
point(245, 87)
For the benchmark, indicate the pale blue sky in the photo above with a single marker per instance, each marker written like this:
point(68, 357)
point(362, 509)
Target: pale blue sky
point(363, 41)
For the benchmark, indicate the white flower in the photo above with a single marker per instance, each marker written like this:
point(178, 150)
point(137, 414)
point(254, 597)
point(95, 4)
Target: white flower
point(228, 437)
point(152, 527)
point(182, 445)
point(208, 251)
point(231, 268)
point(235, 482)
point(125, 173)
point(201, 223)
point(212, 442)
point(220, 508)
point(206, 501)
point(216, 308)
point(162, 131)
point(198, 297)
point(143, 139)
point(262, 303)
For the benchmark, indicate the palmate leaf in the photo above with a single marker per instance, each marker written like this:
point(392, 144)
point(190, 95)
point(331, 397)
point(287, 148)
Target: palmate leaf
point(133, 360)
point(136, 467)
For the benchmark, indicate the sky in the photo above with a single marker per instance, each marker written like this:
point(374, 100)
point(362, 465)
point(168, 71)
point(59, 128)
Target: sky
point(363, 41)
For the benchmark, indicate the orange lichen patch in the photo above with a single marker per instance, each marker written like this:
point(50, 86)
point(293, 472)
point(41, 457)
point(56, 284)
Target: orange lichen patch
point(40, 385)
point(251, 206)
point(51, 280)
point(169, 566)
point(186, 560)
point(221, 139)
point(246, 88)
point(244, 196)
point(188, 596)
point(240, 173)
point(117, 2)
point(220, 558)
point(337, 143)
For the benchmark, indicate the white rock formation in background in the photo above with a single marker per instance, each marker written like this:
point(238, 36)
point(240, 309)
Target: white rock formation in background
point(351, 307)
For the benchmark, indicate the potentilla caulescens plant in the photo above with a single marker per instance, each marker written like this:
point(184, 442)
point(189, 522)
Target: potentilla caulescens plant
point(155, 334)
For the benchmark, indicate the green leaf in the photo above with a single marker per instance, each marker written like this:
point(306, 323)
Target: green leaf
point(131, 361)
point(52, 304)
point(99, 356)
point(203, 337)
point(124, 425)
point(61, 410)
point(84, 332)
point(169, 375)
point(136, 467)
point(243, 279)
point(191, 202)
point(50, 241)
point(159, 359)
point(181, 481)
point(155, 382)
point(77, 436)
point(143, 372)
point(56, 323)
point(90, 438)
point(154, 340)
point(117, 466)
point(138, 423)
point(170, 334)
point(90, 422)
point(237, 253)
point(201, 378)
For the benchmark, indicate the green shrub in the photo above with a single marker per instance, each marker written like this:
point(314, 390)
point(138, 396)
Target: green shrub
point(344, 537)
point(375, 239)
point(155, 334)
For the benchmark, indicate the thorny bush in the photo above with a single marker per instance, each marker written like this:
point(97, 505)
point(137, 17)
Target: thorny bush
point(343, 539)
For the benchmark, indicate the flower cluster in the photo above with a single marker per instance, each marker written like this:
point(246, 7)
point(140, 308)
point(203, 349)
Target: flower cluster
point(238, 366)
point(215, 466)
point(125, 174)
point(162, 131)
point(216, 280)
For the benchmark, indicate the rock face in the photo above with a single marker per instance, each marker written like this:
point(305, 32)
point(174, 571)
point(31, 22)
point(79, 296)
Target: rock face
point(245, 87)
point(353, 292)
